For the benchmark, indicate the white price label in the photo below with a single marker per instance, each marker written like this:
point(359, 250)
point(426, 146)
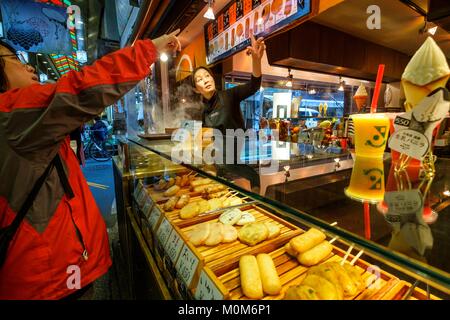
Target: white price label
point(140, 199)
point(138, 190)
point(186, 265)
point(174, 246)
point(154, 217)
point(207, 289)
point(403, 203)
point(163, 233)
point(147, 207)
point(409, 142)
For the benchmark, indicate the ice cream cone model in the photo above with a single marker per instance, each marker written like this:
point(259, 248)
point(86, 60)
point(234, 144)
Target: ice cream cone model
point(426, 71)
point(360, 97)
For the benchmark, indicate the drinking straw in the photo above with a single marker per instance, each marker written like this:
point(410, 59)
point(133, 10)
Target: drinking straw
point(373, 109)
point(367, 220)
point(376, 93)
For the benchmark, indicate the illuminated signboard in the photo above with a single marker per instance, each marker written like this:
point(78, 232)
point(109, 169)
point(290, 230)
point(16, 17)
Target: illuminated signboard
point(230, 32)
point(35, 27)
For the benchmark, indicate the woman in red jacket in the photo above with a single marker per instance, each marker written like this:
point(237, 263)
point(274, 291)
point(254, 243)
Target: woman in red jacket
point(62, 244)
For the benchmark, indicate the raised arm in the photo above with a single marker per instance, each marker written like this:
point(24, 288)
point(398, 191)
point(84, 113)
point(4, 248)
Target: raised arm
point(39, 117)
point(256, 50)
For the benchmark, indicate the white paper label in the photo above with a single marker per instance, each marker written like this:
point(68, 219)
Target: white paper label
point(186, 265)
point(163, 232)
point(174, 246)
point(409, 142)
point(154, 217)
point(142, 198)
point(207, 289)
point(403, 202)
point(138, 190)
point(147, 207)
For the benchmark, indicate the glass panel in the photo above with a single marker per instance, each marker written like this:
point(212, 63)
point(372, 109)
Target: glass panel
point(312, 193)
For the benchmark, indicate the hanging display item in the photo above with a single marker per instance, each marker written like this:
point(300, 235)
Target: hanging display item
point(28, 23)
point(231, 31)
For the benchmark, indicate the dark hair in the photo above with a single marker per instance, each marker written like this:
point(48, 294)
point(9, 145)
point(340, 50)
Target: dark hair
point(3, 79)
point(195, 71)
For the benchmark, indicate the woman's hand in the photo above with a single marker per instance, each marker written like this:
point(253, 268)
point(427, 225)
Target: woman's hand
point(257, 48)
point(168, 43)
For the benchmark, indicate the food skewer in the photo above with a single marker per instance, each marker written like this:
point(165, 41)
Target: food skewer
point(230, 207)
point(346, 255)
point(410, 290)
point(356, 257)
point(333, 240)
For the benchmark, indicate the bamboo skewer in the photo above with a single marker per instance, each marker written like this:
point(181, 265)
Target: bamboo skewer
point(356, 257)
point(97, 185)
point(333, 240)
point(349, 250)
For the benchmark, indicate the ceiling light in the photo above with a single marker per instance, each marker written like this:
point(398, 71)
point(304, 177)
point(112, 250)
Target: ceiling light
point(209, 14)
point(432, 30)
point(312, 91)
point(428, 28)
point(45, 62)
point(446, 193)
point(163, 57)
point(289, 81)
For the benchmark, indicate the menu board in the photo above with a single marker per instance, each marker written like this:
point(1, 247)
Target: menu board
point(230, 31)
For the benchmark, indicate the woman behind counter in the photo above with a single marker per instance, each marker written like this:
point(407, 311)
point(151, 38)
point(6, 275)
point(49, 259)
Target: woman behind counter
point(222, 108)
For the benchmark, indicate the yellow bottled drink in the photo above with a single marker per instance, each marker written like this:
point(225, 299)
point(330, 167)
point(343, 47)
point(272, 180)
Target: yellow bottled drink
point(367, 180)
point(371, 133)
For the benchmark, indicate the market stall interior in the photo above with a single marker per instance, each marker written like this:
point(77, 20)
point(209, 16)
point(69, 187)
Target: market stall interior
point(348, 136)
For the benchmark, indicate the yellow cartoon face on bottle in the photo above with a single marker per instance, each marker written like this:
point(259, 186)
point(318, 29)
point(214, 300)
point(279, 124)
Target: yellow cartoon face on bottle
point(367, 180)
point(371, 133)
point(378, 140)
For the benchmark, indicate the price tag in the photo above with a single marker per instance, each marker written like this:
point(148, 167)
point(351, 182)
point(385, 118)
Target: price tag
point(163, 233)
point(403, 204)
point(142, 197)
point(186, 265)
point(174, 246)
point(207, 289)
point(154, 217)
point(138, 190)
point(147, 207)
point(410, 142)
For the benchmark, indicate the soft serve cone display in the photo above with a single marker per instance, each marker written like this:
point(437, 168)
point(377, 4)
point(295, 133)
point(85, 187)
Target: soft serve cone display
point(360, 97)
point(426, 71)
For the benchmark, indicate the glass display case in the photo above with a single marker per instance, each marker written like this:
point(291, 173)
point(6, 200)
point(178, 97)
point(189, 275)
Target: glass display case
point(174, 214)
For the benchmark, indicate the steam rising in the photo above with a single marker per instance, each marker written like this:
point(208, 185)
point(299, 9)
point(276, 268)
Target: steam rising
point(185, 105)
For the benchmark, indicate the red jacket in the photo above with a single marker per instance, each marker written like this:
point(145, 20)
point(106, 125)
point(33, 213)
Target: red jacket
point(34, 126)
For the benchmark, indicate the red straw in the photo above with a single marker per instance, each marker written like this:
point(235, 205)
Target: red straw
point(376, 93)
point(367, 220)
point(373, 109)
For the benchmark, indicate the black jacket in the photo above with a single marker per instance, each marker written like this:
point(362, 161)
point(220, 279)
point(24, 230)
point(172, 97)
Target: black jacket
point(223, 110)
